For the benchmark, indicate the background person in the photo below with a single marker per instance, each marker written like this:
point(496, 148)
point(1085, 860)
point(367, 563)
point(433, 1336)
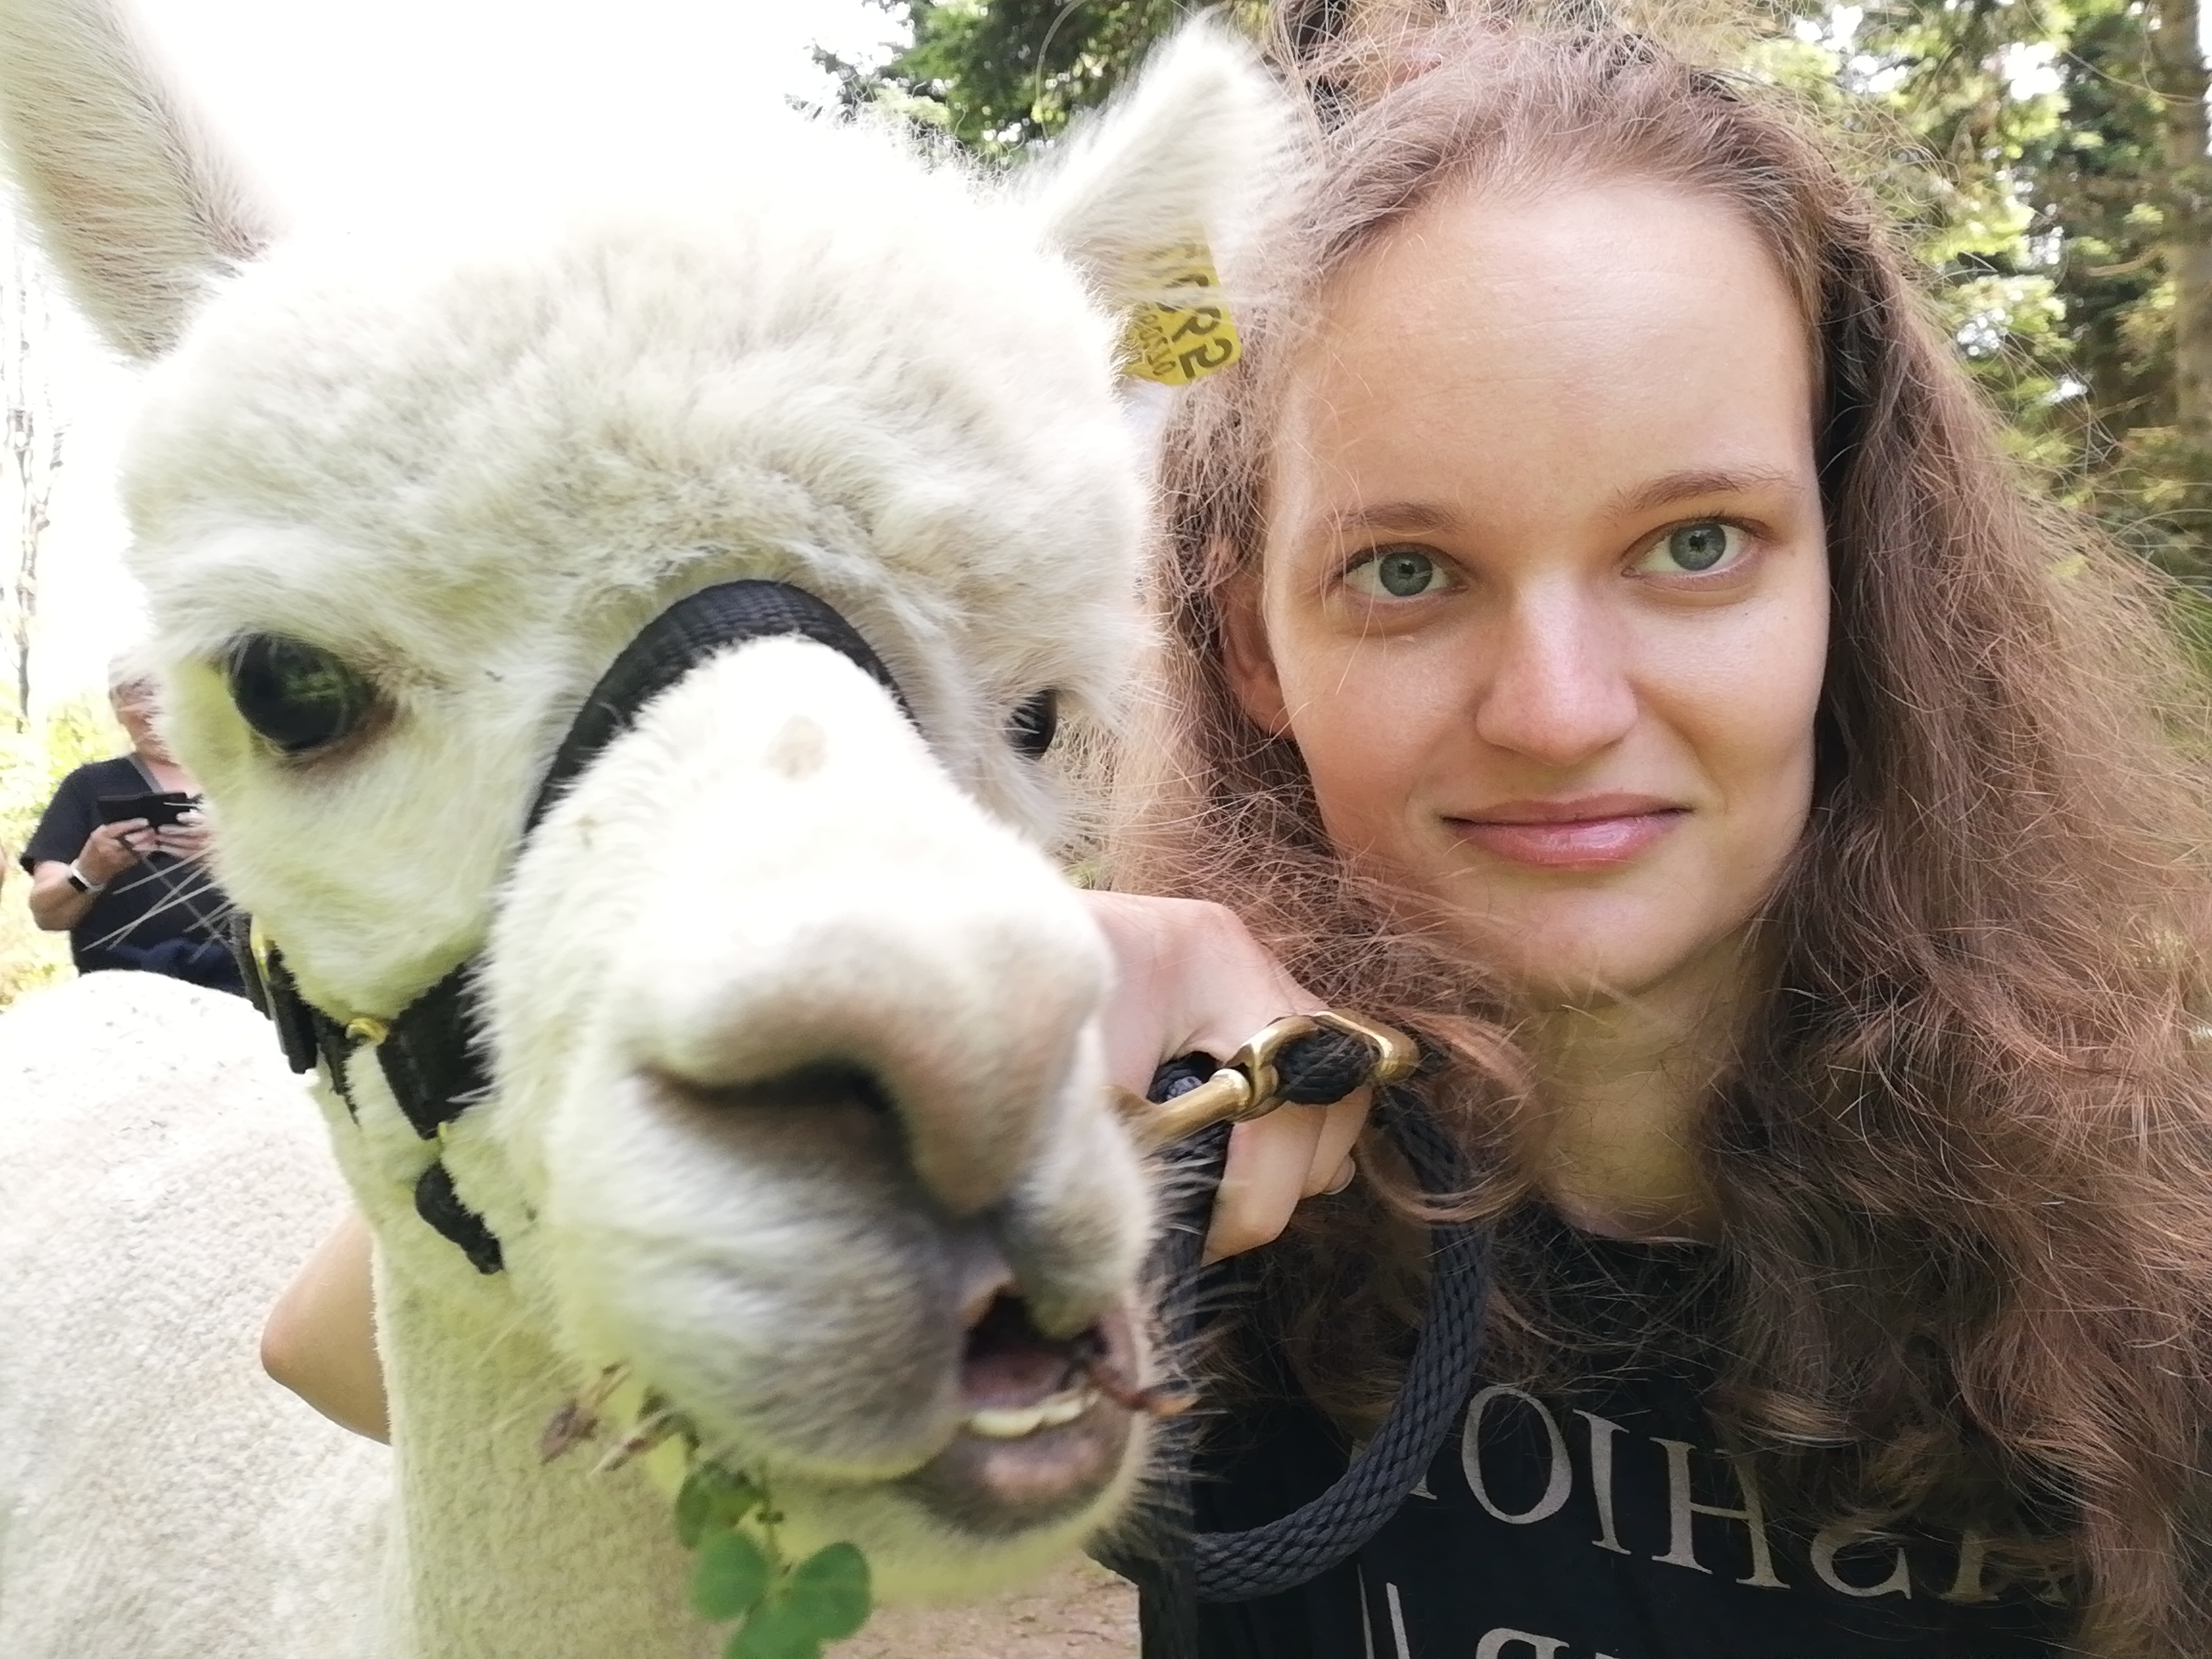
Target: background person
point(129, 894)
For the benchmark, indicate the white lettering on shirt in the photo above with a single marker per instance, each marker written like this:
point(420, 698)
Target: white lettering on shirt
point(1682, 1511)
point(1966, 1582)
point(1839, 1535)
point(1601, 1454)
point(1494, 1643)
point(1559, 1479)
point(1397, 1621)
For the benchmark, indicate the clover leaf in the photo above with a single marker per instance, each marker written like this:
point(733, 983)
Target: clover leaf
point(712, 1496)
point(740, 1572)
point(732, 1574)
point(829, 1590)
point(777, 1628)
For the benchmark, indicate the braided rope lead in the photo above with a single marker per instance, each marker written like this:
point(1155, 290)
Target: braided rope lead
point(1175, 1569)
point(1327, 1531)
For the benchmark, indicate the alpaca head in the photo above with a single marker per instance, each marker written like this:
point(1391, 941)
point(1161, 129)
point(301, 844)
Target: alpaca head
point(797, 1107)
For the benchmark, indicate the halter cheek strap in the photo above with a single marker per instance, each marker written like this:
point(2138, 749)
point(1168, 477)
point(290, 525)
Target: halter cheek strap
point(430, 1053)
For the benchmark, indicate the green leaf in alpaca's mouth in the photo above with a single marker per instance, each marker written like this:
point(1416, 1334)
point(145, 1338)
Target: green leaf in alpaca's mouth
point(787, 1610)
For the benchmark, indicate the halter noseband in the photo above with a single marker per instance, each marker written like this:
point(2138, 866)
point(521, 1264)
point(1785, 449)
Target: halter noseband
point(429, 1052)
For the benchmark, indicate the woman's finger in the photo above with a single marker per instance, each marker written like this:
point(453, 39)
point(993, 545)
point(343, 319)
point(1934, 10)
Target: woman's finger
point(1340, 1127)
point(1293, 1153)
point(109, 849)
point(1262, 1179)
point(1189, 978)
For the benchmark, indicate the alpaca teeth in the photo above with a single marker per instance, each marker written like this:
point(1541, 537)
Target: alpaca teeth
point(1011, 1423)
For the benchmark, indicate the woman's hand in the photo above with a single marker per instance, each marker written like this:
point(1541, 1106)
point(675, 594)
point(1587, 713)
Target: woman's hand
point(113, 848)
point(320, 1340)
point(1191, 978)
point(57, 904)
point(187, 838)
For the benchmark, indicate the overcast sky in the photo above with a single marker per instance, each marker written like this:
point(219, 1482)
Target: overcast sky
point(333, 102)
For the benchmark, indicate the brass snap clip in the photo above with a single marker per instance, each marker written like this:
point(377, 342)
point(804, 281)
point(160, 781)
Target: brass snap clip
point(1251, 1084)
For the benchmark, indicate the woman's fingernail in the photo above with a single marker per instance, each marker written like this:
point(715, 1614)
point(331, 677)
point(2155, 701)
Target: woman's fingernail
point(1344, 1172)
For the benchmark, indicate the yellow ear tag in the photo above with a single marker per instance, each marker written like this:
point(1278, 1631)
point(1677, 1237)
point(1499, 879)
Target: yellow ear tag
point(1182, 331)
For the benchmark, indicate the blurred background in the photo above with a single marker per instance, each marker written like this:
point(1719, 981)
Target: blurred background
point(2048, 158)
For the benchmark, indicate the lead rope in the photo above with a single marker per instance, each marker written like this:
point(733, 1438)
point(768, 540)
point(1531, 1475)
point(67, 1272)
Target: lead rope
point(1174, 1568)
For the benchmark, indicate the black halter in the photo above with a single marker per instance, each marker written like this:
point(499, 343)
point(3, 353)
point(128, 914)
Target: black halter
point(431, 1055)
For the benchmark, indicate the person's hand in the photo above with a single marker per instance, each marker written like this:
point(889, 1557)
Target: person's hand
point(187, 838)
point(1191, 978)
point(113, 848)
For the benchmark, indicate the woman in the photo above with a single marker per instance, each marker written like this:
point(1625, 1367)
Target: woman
point(129, 893)
point(1599, 616)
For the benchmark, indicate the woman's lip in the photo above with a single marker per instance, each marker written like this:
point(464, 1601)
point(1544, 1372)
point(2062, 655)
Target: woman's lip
point(1578, 835)
point(1542, 810)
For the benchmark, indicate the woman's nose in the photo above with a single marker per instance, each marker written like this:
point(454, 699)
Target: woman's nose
point(1557, 691)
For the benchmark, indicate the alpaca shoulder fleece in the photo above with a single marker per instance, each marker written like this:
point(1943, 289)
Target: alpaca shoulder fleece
point(161, 1175)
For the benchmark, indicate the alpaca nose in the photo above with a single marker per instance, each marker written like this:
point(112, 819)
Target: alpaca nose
point(811, 892)
point(961, 1015)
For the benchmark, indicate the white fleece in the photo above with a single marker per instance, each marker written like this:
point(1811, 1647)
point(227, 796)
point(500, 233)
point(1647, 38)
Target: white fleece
point(470, 457)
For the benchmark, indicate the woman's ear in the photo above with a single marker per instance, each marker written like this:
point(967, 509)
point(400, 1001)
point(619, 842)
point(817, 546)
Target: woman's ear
point(1247, 661)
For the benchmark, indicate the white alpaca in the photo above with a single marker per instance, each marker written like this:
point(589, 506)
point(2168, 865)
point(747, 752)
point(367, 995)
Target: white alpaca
point(791, 1028)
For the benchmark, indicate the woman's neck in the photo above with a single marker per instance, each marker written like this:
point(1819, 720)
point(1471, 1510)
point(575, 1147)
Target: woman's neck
point(155, 762)
point(1625, 1083)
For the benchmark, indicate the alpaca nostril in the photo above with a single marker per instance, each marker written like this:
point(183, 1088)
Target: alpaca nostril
point(982, 1288)
point(820, 1085)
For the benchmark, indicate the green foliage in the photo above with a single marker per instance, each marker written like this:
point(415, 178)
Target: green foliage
point(1001, 75)
point(731, 1577)
point(785, 1611)
point(832, 1587)
point(32, 765)
point(2035, 173)
point(2022, 144)
point(713, 1497)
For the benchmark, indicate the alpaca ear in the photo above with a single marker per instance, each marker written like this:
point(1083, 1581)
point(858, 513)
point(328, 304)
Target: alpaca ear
point(137, 207)
point(1180, 160)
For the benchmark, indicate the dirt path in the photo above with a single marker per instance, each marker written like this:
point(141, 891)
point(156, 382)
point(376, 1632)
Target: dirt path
point(1082, 1612)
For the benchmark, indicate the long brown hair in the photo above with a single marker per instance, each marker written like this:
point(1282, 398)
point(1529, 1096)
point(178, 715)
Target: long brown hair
point(1963, 1166)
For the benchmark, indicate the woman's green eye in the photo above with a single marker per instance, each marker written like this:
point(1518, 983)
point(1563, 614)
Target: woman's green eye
point(297, 695)
point(1402, 572)
point(1694, 548)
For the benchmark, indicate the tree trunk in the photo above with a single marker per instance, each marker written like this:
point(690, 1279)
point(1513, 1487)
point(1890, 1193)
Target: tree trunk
point(2188, 209)
point(34, 446)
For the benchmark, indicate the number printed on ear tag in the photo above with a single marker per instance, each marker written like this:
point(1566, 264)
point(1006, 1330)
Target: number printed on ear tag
point(1181, 330)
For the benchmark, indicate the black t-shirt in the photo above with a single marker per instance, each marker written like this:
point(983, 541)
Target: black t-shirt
point(163, 914)
point(1607, 1525)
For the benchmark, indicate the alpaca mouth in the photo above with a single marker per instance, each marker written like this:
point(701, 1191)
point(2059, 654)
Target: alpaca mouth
point(1015, 1380)
point(1046, 1421)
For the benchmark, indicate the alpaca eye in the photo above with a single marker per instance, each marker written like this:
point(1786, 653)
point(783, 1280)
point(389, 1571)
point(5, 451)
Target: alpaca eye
point(297, 695)
point(1031, 727)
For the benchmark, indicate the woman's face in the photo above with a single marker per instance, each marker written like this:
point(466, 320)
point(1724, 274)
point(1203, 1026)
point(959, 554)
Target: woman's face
point(1544, 601)
point(134, 708)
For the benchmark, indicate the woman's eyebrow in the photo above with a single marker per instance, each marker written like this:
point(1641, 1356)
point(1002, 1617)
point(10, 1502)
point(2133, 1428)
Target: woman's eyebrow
point(1700, 481)
point(1409, 518)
